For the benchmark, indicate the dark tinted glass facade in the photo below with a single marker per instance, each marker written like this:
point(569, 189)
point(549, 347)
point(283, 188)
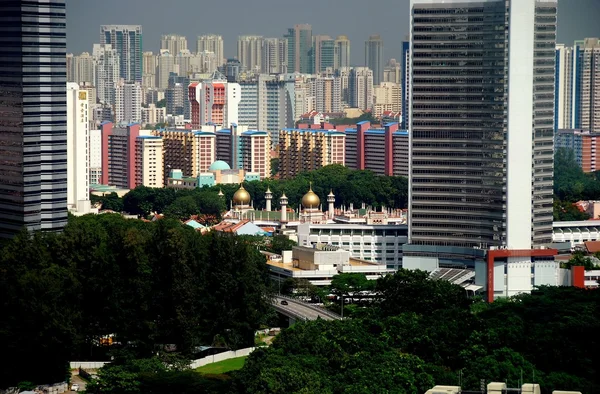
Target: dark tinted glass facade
point(33, 131)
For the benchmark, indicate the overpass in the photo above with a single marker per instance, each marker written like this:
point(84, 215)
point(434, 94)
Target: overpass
point(298, 310)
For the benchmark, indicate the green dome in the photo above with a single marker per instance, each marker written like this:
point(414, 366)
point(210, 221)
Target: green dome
point(219, 165)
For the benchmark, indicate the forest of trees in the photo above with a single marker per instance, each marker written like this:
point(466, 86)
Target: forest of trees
point(417, 333)
point(423, 332)
point(349, 186)
point(148, 283)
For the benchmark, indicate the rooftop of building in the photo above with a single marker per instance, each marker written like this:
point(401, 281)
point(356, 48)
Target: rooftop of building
point(330, 132)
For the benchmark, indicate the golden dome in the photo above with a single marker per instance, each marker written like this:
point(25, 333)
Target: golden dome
point(241, 196)
point(310, 200)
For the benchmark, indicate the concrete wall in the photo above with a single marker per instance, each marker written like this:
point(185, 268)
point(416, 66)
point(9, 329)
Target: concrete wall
point(221, 356)
point(195, 363)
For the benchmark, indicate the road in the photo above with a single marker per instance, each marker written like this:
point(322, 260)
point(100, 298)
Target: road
point(299, 309)
point(77, 379)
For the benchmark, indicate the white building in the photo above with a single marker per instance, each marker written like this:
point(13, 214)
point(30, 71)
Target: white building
point(149, 67)
point(149, 161)
point(214, 101)
point(173, 43)
point(388, 97)
point(274, 56)
point(153, 115)
point(361, 88)
point(107, 72)
point(381, 243)
point(95, 156)
point(319, 264)
point(211, 43)
point(249, 52)
point(165, 66)
point(128, 102)
point(256, 148)
point(78, 198)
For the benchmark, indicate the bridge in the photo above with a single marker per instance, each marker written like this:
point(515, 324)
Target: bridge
point(298, 310)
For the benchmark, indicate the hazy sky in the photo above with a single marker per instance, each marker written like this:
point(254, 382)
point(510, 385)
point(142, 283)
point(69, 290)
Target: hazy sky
point(270, 18)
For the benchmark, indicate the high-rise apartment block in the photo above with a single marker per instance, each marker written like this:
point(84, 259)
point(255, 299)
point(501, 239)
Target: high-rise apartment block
point(78, 193)
point(250, 52)
point(165, 66)
point(128, 102)
point(374, 57)
point(275, 56)
point(81, 68)
point(392, 72)
point(578, 85)
point(127, 41)
point(95, 156)
point(481, 133)
point(255, 148)
point(211, 43)
point(173, 43)
point(360, 87)
point(149, 64)
point(342, 52)
point(299, 41)
point(130, 158)
point(388, 97)
point(191, 151)
point(151, 115)
point(383, 151)
point(214, 101)
point(308, 150)
point(327, 92)
point(107, 73)
point(33, 130)
point(177, 97)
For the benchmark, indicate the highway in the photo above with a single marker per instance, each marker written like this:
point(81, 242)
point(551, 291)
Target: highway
point(301, 310)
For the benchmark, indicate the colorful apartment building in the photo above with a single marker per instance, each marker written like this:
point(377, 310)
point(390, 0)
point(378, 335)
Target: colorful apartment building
point(214, 101)
point(383, 150)
point(130, 159)
point(309, 149)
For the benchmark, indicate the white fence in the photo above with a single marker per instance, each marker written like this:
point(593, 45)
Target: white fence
point(221, 356)
point(195, 363)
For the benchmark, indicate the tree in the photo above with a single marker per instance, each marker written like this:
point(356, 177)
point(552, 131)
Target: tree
point(182, 208)
point(279, 243)
point(351, 286)
point(580, 259)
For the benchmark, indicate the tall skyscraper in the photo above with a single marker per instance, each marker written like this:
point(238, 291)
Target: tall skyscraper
point(149, 63)
point(481, 130)
point(127, 41)
point(173, 43)
point(33, 129)
point(249, 52)
point(342, 52)
point(78, 190)
point(275, 56)
point(211, 43)
point(299, 40)
point(323, 53)
point(374, 57)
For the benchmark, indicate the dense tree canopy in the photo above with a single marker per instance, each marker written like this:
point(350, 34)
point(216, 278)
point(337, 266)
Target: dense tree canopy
point(424, 332)
point(349, 187)
point(146, 283)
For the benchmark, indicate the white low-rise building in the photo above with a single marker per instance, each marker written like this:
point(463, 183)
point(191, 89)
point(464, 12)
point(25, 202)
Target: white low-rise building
point(576, 232)
point(319, 264)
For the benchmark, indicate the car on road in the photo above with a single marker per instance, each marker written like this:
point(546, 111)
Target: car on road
point(74, 387)
point(284, 302)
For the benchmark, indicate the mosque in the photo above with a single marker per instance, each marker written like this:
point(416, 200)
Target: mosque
point(366, 233)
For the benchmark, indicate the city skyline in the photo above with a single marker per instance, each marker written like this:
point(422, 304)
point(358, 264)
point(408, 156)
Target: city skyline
point(576, 20)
